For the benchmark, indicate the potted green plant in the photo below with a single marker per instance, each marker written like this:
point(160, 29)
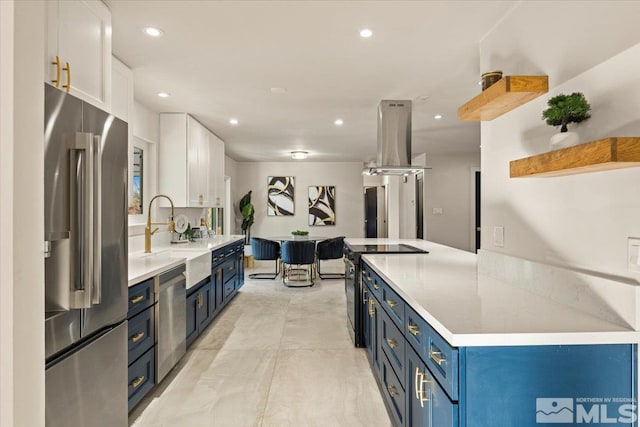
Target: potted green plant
point(247, 210)
point(300, 234)
point(564, 109)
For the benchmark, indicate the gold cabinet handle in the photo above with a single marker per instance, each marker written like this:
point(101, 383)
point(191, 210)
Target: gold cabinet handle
point(436, 356)
point(200, 300)
point(364, 297)
point(372, 311)
point(392, 343)
point(56, 82)
point(376, 287)
point(391, 303)
point(137, 337)
point(419, 383)
point(136, 383)
point(392, 391)
point(413, 329)
point(136, 299)
point(67, 68)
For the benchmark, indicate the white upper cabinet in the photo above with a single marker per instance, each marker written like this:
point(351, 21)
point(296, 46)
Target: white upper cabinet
point(217, 172)
point(187, 172)
point(121, 91)
point(79, 49)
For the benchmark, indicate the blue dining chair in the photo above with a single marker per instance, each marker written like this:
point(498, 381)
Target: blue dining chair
point(265, 250)
point(330, 249)
point(299, 253)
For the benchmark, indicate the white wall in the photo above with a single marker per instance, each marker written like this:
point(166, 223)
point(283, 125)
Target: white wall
point(448, 187)
point(346, 177)
point(584, 220)
point(22, 218)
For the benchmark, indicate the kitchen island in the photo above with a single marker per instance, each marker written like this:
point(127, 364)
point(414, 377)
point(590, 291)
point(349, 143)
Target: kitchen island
point(451, 347)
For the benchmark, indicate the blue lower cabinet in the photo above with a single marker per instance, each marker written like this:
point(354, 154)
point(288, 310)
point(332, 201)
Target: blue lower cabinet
point(192, 317)
point(141, 335)
point(392, 342)
point(141, 378)
point(206, 309)
point(427, 403)
point(393, 392)
point(217, 283)
point(373, 335)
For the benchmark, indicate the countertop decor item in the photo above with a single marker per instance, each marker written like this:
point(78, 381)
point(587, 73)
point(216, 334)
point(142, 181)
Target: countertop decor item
point(489, 78)
point(300, 234)
point(564, 109)
point(247, 210)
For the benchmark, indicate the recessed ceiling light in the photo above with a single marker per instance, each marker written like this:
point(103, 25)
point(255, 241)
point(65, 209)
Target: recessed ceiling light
point(339, 122)
point(233, 121)
point(163, 95)
point(366, 33)
point(153, 32)
point(278, 90)
point(437, 116)
point(299, 155)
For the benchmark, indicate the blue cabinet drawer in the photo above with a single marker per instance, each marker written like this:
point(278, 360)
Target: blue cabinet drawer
point(229, 269)
point(372, 281)
point(141, 296)
point(393, 391)
point(141, 377)
point(217, 257)
point(392, 342)
point(440, 357)
point(141, 335)
point(393, 304)
point(229, 287)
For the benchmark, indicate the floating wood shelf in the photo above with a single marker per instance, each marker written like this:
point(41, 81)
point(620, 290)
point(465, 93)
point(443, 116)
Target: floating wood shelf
point(600, 155)
point(503, 96)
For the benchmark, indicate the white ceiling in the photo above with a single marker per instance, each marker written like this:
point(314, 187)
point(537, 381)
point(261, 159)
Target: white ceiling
point(219, 59)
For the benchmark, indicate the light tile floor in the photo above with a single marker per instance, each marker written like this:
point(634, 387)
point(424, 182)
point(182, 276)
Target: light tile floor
point(275, 357)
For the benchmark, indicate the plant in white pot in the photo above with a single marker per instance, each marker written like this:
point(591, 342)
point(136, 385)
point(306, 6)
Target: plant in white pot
point(564, 109)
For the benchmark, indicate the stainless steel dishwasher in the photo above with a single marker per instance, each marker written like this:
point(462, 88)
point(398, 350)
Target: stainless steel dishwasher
point(171, 318)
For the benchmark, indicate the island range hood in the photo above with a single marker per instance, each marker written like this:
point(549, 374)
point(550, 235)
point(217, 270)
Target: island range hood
point(394, 140)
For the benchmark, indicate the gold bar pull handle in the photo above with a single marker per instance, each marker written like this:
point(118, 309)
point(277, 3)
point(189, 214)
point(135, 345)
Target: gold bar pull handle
point(56, 81)
point(67, 68)
point(376, 287)
point(392, 391)
point(364, 297)
point(372, 311)
point(422, 395)
point(436, 356)
point(136, 299)
point(137, 337)
point(391, 303)
point(392, 343)
point(136, 383)
point(413, 329)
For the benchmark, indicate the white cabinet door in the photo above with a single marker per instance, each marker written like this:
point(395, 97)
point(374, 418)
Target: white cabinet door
point(197, 155)
point(216, 169)
point(79, 35)
point(121, 91)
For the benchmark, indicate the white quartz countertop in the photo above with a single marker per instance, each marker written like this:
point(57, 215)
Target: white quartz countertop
point(470, 309)
point(143, 266)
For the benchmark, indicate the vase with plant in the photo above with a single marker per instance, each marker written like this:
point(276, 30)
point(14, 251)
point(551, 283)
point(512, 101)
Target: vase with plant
point(247, 210)
point(564, 109)
point(300, 234)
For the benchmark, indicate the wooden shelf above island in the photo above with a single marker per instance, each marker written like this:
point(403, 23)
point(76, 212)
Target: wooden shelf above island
point(503, 96)
point(603, 154)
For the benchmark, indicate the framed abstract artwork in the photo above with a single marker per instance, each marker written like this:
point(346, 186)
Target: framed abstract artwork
point(322, 205)
point(280, 196)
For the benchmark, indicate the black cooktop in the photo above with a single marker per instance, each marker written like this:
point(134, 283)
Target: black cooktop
point(387, 249)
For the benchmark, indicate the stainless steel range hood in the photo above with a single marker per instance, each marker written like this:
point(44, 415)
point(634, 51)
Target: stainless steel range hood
point(394, 140)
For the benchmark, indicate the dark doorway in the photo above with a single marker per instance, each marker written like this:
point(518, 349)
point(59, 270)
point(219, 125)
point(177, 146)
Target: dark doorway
point(420, 206)
point(371, 212)
point(477, 211)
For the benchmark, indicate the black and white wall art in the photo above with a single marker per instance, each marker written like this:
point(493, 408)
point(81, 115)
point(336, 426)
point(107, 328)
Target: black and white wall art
point(280, 196)
point(322, 205)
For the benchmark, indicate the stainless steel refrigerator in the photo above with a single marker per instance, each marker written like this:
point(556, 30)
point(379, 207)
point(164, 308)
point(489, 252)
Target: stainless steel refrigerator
point(86, 264)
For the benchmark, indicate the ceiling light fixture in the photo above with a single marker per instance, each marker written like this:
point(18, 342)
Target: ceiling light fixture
point(299, 155)
point(437, 116)
point(233, 121)
point(278, 90)
point(339, 122)
point(365, 33)
point(163, 95)
point(153, 32)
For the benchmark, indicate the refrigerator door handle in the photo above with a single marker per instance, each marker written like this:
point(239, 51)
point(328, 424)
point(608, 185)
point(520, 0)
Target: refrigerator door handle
point(97, 221)
point(81, 193)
